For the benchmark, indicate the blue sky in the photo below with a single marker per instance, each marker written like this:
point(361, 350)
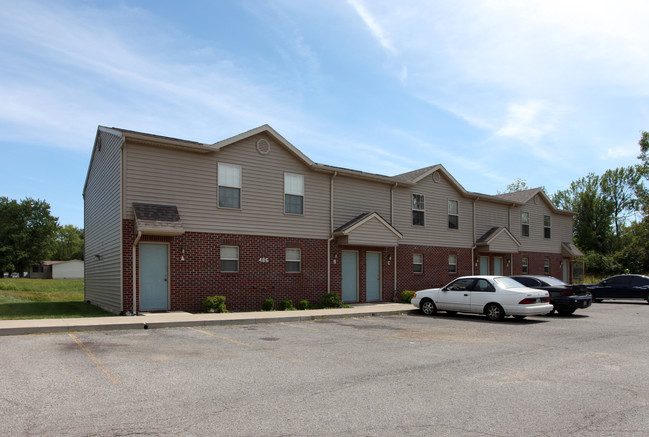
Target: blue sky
point(546, 91)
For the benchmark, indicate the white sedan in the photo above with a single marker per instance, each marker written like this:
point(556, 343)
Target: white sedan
point(493, 296)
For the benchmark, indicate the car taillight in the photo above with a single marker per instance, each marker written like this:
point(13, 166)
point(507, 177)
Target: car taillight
point(531, 300)
point(567, 292)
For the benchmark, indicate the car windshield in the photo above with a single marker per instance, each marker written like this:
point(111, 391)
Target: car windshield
point(506, 282)
point(553, 281)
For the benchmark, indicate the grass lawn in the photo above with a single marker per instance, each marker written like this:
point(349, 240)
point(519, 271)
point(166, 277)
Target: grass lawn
point(45, 299)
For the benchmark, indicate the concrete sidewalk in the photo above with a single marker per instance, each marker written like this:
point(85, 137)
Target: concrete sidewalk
point(176, 319)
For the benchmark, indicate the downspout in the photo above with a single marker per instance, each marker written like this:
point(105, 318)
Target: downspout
point(331, 226)
point(394, 265)
point(474, 239)
point(137, 240)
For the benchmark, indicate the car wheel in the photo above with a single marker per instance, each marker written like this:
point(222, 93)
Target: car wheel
point(647, 297)
point(494, 312)
point(519, 317)
point(428, 307)
point(452, 313)
point(565, 312)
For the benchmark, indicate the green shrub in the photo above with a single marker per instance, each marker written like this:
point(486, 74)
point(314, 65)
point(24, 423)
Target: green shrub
point(286, 305)
point(331, 300)
point(214, 304)
point(304, 305)
point(268, 305)
point(406, 296)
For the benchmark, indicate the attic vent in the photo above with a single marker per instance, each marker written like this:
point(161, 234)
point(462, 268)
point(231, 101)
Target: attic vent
point(436, 177)
point(263, 146)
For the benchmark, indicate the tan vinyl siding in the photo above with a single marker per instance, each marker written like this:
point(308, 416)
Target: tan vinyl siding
point(103, 226)
point(562, 225)
point(189, 181)
point(353, 197)
point(489, 215)
point(436, 231)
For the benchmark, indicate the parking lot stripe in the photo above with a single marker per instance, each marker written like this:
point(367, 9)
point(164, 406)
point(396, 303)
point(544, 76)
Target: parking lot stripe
point(247, 345)
point(95, 360)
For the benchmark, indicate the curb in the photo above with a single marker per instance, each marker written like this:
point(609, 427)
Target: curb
point(181, 320)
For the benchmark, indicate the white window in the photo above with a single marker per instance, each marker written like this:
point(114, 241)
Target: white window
point(418, 210)
point(229, 186)
point(229, 258)
point(293, 193)
point(452, 263)
point(453, 214)
point(546, 226)
point(293, 260)
point(417, 263)
point(546, 266)
point(525, 224)
point(524, 265)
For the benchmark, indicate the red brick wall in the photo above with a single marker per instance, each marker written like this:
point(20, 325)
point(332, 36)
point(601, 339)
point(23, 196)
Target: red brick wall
point(435, 272)
point(199, 275)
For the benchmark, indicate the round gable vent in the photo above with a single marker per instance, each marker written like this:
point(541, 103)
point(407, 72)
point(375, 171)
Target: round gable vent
point(263, 146)
point(436, 177)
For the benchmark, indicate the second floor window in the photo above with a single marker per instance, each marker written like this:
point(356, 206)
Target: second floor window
point(525, 224)
point(546, 226)
point(453, 214)
point(229, 185)
point(418, 210)
point(293, 193)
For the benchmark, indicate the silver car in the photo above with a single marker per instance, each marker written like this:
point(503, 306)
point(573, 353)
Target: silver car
point(493, 296)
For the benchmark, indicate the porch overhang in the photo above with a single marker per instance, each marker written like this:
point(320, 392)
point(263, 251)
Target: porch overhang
point(154, 219)
point(368, 229)
point(498, 240)
point(569, 250)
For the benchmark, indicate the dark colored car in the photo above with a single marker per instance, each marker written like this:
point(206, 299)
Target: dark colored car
point(621, 287)
point(566, 298)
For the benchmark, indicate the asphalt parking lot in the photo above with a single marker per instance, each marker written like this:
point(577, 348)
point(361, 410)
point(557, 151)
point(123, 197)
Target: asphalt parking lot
point(384, 376)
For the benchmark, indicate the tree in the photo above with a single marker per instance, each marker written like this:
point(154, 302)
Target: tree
point(593, 224)
point(68, 244)
point(620, 187)
point(27, 231)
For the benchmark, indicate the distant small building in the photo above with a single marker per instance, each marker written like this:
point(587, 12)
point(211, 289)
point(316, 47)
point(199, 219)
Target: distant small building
point(72, 269)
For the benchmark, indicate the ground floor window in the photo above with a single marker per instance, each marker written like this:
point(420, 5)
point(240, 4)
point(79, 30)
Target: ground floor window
point(546, 266)
point(293, 260)
point(524, 266)
point(417, 263)
point(230, 259)
point(452, 263)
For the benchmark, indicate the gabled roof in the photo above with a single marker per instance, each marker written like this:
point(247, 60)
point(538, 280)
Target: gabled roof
point(524, 196)
point(360, 220)
point(498, 236)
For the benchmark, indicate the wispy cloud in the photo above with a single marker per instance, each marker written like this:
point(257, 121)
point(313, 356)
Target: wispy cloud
point(372, 23)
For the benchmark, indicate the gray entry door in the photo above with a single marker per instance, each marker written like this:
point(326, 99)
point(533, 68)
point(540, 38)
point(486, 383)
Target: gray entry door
point(350, 276)
point(154, 275)
point(373, 276)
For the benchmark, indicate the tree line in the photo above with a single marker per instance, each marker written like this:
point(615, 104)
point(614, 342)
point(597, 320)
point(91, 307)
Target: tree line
point(29, 234)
